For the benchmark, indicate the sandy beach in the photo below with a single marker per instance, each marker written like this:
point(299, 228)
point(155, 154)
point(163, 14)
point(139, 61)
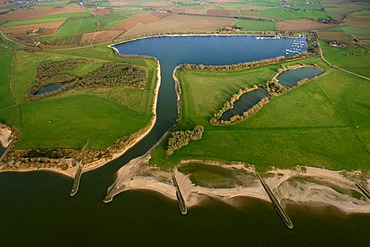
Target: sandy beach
point(303, 185)
point(5, 136)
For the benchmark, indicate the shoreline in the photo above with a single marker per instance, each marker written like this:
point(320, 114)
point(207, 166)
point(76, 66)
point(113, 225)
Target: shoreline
point(288, 185)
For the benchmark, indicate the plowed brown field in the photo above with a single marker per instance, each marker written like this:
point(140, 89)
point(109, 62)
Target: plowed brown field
point(27, 14)
point(50, 28)
point(99, 37)
point(301, 25)
point(143, 19)
point(218, 12)
point(361, 21)
point(180, 23)
point(101, 12)
point(338, 36)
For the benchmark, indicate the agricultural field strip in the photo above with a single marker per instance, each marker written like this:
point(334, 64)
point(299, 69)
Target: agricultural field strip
point(336, 67)
point(345, 118)
point(218, 129)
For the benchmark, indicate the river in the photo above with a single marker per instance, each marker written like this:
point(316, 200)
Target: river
point(36, 209)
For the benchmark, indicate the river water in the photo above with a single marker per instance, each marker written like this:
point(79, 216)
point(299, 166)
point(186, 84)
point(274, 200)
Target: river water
point(36, 209)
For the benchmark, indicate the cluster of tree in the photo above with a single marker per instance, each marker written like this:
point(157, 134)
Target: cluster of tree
point(49, 71)
point(111, 74)
point(179, 139)
point(116, 74)
point(273, 87)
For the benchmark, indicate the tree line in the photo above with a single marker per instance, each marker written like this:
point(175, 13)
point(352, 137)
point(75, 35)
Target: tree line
point(181, 138)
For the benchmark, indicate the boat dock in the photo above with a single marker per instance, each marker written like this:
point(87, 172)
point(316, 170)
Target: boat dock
point(76, 181)
point(279, 209)
point(180, 199)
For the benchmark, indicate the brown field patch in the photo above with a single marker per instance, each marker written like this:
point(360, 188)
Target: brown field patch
point(226, 1)
point(360, 21)
point(249, 13)
point(144, 19)
point(338, 36)
point(158, 4)
point(253, 7)
point(100, 37)
point(68, 9)
point(301, 25)
point(101, 12)
point(117, 3)
point(27, 14)
point(49, 28)
point(218, 12)
point(196, 11)
point(2, 4)
point(178, 11)
point(181, 23)
point(234, 13)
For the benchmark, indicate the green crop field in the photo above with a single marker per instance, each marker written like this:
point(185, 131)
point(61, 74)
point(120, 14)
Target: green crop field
point(352, 58)
point(252, 25)
point(355, 30)
point(6, 65)
point(76, 26)
point(47, 18)
point(315, 124)
point(288, 14)
point(71, 119)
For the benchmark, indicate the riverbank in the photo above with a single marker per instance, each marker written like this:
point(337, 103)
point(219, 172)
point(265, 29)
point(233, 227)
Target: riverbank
point(311, 186)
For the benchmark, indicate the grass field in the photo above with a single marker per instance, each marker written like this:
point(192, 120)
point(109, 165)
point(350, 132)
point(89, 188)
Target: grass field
point(315, 124)
point(6, 65)
point(71, 119)
point(352, 58)
point(281, 13)
point(252, 25)
point(76, 26)
point(47, 18)
point(214, 176)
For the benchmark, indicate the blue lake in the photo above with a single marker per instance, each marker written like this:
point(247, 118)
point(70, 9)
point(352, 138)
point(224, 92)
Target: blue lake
point(290, 78)
point(246, 101)
point(48, 88)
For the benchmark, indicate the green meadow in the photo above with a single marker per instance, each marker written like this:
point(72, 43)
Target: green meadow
point(289, 14)
point(352, 58)
point(74, 118)
point(323, 123)
point(253, 25)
